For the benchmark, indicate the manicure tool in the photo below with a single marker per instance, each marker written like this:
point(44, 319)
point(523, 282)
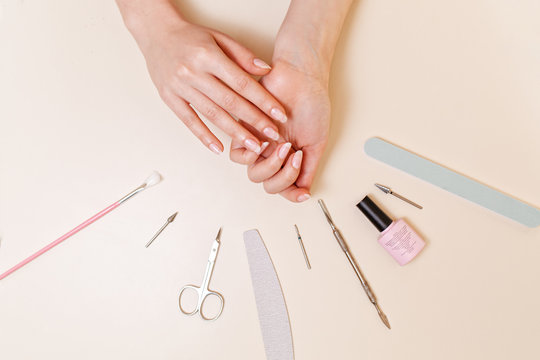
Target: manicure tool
point(302, 247)
point(169, 220)
point(271, 307)
point(387, 190)
point(153, 179)
point(345, 248)
point(202, 291)
point(453, 182)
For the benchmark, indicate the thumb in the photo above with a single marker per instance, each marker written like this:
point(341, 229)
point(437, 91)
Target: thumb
point(241, 55)
point(310, 163)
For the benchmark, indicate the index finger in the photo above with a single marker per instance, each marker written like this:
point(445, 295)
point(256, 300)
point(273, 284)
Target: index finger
point(242, 83)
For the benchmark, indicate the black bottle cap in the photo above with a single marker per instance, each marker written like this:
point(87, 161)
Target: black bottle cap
point(374, 214)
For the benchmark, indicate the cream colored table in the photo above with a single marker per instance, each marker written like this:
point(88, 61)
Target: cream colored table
point(81, 124)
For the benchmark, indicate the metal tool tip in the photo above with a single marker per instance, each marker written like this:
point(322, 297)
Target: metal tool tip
point(218, 236)
point(171, 218)
point(382, 316)
point(383, 188)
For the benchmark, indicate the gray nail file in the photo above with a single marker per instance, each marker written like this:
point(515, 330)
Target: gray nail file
point(453, 182)
point(273, 315)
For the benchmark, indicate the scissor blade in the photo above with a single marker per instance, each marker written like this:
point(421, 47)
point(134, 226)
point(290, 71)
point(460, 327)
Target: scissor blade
point(218, 236)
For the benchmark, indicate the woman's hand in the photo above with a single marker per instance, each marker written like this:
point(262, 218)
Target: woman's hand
point(201, 67)
point(282, 170)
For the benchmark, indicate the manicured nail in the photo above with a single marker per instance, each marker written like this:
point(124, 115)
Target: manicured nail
point(215, 148)
point(261, 64)
point(264, 145)
point(271, 133)
point(252, 145)
point(297, 159)
point(284, 150)
point(278, 115)
point(303, 197)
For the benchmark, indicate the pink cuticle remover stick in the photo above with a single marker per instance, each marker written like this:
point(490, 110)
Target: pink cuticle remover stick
point(153, 179)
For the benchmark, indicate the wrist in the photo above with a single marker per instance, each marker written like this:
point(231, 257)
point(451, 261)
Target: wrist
point(143, 18)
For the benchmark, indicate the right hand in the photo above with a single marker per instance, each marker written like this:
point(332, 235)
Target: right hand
point(193, 65)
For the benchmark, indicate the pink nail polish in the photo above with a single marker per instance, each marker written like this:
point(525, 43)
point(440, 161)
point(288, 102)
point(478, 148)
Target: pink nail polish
point(252, 145)
point(397, 237)
point(284, 150)
point(297, 159)
point(215, 148)
point(271, 133)
point(278, 115)
point(261, 64)
point(303, 197)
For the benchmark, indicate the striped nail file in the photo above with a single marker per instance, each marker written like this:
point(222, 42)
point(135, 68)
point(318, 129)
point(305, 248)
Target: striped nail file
point(453, 182)
point(273, 315)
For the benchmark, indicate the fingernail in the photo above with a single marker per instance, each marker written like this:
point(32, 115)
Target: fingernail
point(252, 145)
point(264, 146)
point(261, 64)
point(303, 197)
point(284, 150)
point(215, 148)
point(297, 159)
point(278, 115)
point(271, 133)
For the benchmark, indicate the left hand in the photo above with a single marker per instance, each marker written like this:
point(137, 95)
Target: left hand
point(305, 97)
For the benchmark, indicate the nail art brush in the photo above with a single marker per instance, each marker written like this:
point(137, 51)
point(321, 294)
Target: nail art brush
point(387, 190)
point(345, 248)
point(169, 220)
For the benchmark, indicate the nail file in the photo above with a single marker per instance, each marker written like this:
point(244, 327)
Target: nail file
point(453, 182)
point(273, 315)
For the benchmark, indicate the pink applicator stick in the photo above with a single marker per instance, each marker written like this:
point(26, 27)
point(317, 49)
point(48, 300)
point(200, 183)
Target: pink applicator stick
point(153, 179)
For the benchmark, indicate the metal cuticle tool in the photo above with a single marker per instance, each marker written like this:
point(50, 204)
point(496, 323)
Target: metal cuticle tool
point(345, 248)
point(302, 247)
point(387, 190)
point(169, 220)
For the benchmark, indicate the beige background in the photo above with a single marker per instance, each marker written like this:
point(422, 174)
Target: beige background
point(81, 125)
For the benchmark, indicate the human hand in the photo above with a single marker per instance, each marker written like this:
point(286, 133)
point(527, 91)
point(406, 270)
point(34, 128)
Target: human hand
point(305, 97)
point(201, 67)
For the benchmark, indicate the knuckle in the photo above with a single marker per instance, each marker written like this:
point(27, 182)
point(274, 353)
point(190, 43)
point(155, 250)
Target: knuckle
point(211, 112)
point(183, 71)
point(268, 188)
point(252, 177)
point(241, 82)
point(229, 101)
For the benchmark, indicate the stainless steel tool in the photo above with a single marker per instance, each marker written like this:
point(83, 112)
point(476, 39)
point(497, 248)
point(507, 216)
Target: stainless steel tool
point(345, 248)
point(302, 247)
point(169, 220)
point(387, 190)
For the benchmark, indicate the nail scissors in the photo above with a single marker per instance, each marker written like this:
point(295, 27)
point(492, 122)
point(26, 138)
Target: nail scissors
point(202, 291)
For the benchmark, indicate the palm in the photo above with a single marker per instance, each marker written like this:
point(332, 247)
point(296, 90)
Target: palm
point(306, 101)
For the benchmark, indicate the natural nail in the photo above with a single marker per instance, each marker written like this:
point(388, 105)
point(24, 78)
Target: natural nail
point(284, 150)
point(261, 64)
point(215, 148)
point(278, 115)
point(264, 145)
point(271, 133)
point(252, 145)
point(303, 197)
point(297, 159)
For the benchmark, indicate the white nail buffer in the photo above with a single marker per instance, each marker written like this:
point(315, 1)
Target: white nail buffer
point(273, 316)
point(453, 182)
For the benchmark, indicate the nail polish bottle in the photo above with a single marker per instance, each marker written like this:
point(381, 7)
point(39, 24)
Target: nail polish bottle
point(396, 237)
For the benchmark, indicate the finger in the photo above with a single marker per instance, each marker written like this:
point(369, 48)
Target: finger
point(286, 176)
point(310, 163)
point(295, 194)
point(242, 83)
point(238, 106)
point(241, 55)
point(222, 119)
point(194, 123)
point(239, 154)
point(265, 168)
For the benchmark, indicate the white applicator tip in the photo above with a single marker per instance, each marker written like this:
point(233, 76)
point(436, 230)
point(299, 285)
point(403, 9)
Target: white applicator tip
point(153, 179)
